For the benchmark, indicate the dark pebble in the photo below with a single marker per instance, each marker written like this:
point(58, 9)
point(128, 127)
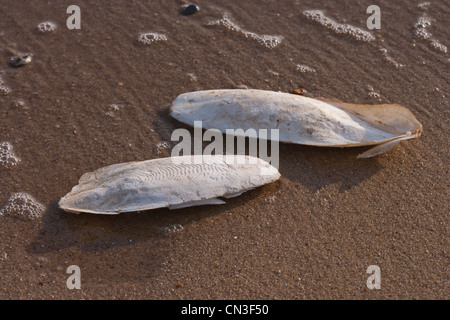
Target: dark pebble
point(187, 10)
point(20, 60)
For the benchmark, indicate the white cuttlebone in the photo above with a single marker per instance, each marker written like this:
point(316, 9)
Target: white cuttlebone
point(300, 119)
point(158, 183)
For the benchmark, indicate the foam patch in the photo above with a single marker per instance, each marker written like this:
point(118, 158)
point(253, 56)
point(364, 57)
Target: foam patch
point(151, 37)
point(268, 41)
point(46, 27)
point(22, 205)
point(355, 32)
point(7, 157)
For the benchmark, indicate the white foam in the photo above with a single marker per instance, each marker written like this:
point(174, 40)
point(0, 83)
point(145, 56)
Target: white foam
point(163, 145)
point(372, 92)
point(268, 41)
point(112, 109)
point(424, 5)
point(192, 76)
point(389, 59)
point(270, 199)
point(355, 32)
point(46, 26)
point(22, 205)
point(435, 44)
point(20, 103)
point(304, 68)
point(420, 27)
point(171, 228)
point(7, 157)
point(151, 37)
point(274, 73)
point(4, 90)
point(420, 31)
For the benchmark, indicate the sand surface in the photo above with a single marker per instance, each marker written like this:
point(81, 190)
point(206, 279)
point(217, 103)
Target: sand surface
point(97, 96)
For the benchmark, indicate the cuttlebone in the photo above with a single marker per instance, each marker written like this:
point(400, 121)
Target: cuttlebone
point(299, 119)
point(173, 182)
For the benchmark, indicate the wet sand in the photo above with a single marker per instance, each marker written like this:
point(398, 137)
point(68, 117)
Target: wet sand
point(96, 96)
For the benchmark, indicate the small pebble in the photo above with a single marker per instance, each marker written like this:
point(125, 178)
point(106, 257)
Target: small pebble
point(299, 91)
point(20, 60)
point(241, 86)
point(189, 9)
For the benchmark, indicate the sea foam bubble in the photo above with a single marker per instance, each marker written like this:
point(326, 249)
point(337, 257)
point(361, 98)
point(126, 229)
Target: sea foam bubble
point(4, 90)
point(304, 68)
point(46, 27)
point(435, 44)
point(7, 157)
point(22, 205)
point(389, 59)
point(112, 109)
point(355, 32)
point(421, 32)
point(268, 41)
point(151, 37)
point(172, 228)
point(424, 5)
point(161, 146)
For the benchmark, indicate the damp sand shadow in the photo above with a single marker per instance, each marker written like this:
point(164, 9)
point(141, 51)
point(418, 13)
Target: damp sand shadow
point(97, 232)
point(318, 167)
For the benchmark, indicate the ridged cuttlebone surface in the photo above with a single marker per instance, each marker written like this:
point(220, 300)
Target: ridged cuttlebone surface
point(174, 182)
point(300, 120)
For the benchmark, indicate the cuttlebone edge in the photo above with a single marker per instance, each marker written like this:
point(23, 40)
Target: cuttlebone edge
point(411, 128)
point(382, 148)
point(391, 118)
